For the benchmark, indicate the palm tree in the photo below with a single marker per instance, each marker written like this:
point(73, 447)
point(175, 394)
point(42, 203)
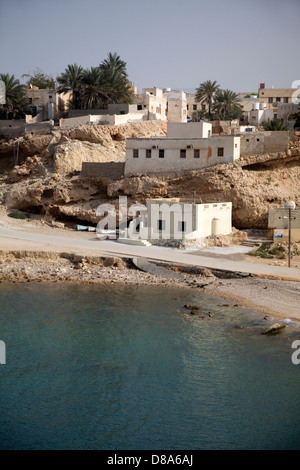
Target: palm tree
point(70, 80)
point(93, 94)
point(205, 93)
point(275, 125)
point(114, 78)
point(16, 102)
point(226, 105)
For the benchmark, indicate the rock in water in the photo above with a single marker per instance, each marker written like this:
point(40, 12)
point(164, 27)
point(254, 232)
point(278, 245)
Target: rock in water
point(275, 328)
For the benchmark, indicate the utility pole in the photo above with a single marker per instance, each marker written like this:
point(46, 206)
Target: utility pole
point(289, 205)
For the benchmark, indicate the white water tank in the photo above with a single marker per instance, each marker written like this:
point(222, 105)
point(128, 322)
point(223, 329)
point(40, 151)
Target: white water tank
point(290, 205)
point(255, 106)
point(216, 226)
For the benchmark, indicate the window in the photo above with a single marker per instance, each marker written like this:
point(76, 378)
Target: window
point(187, 107)
point(235, 146)
point(182, 153)
point(278, 100)
point(161, 153)
point(181, 226)
point(203, 107)
point(148, 153)
point(135, 153)
point(139, 107)
point(161, 224)
point(194, 107)
point(270, 100)
point(50, 96)
point(285, 100)
point(257, 140)
point(220, 151)
point(196, 153)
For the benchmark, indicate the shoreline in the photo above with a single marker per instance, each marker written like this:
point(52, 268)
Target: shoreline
point(276, 298)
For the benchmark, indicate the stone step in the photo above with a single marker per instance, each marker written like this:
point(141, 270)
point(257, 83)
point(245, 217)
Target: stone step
point(133, 241)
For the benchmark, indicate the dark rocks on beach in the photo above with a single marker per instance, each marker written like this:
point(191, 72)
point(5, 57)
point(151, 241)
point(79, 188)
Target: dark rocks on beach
point(192, 307)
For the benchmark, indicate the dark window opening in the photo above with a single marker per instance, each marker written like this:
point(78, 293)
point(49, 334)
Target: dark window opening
point(148, 153)
point(161, 224)
point(181, 226)
point(196, 153)
point(161, 153)
point(135, 153)
point(139, 107)
point(220, 151)
point(183, 153)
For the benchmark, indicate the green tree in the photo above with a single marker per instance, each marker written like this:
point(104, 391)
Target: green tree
point(226, 105)
point(40, 79)
point(92, 94)
point(275, 125)
point(17, 103)
point(71, 80)
point(114, 79)
point(205, 94)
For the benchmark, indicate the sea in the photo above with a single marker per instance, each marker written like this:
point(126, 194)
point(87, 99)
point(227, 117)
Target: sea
point(129, 368)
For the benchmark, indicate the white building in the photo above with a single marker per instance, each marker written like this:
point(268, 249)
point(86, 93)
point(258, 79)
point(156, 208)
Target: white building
point(187, 146)
point(171, 219)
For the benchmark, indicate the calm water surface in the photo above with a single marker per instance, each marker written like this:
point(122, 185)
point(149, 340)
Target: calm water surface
point(124, 368)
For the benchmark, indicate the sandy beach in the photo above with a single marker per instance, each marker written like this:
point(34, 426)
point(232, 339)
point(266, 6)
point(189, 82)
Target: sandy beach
point(28, 261)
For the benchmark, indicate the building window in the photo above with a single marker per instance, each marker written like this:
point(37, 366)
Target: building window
point(278, 100)
point(182, 153)
point(270, 100)
point(220, 151)
point(50, 96)
point(148, 153)
point(196, 153)
point(285, 100)
point(203, 107)
point(135, 153)
point(187, 107)
point(194, 107)
point(257, 140)
point(161, 224)
point(161, 153)
point(139, 107)
point(182, 226)
point(235, 146)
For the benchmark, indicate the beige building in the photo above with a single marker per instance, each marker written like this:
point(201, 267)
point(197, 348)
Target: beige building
point(273, 97)
point(278, 225)
point(153, 101)
point(187, 146)
point(48, 104)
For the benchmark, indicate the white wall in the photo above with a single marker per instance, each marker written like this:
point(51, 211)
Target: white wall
point(172, 161)
point(190, 130)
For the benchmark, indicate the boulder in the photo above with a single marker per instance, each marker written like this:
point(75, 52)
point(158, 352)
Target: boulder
point(275, 328)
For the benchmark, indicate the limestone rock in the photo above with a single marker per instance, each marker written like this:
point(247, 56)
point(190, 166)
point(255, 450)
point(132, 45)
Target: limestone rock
point(275, 328)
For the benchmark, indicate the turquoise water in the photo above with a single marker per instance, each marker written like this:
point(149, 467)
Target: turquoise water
point(124, 368)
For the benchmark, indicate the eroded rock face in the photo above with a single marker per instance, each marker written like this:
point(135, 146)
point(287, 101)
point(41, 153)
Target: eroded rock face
point(253, 184)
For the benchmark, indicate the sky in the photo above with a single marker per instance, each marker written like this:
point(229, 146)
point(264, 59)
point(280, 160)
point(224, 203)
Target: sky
point(165, 43)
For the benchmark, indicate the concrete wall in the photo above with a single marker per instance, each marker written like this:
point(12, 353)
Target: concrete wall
point(112, 170)
point(172, 161)
point(106, 119)
point(9, 129)
point(35, 128)
point(264, 142)
point(190, 130)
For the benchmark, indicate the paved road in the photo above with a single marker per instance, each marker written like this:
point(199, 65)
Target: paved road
point(90, 242)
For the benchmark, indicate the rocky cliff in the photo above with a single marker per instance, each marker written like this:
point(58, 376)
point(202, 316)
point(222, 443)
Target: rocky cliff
point(48, 181)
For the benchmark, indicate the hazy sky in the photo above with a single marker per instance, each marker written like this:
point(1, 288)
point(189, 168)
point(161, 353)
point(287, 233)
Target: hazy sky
point(166, 43)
